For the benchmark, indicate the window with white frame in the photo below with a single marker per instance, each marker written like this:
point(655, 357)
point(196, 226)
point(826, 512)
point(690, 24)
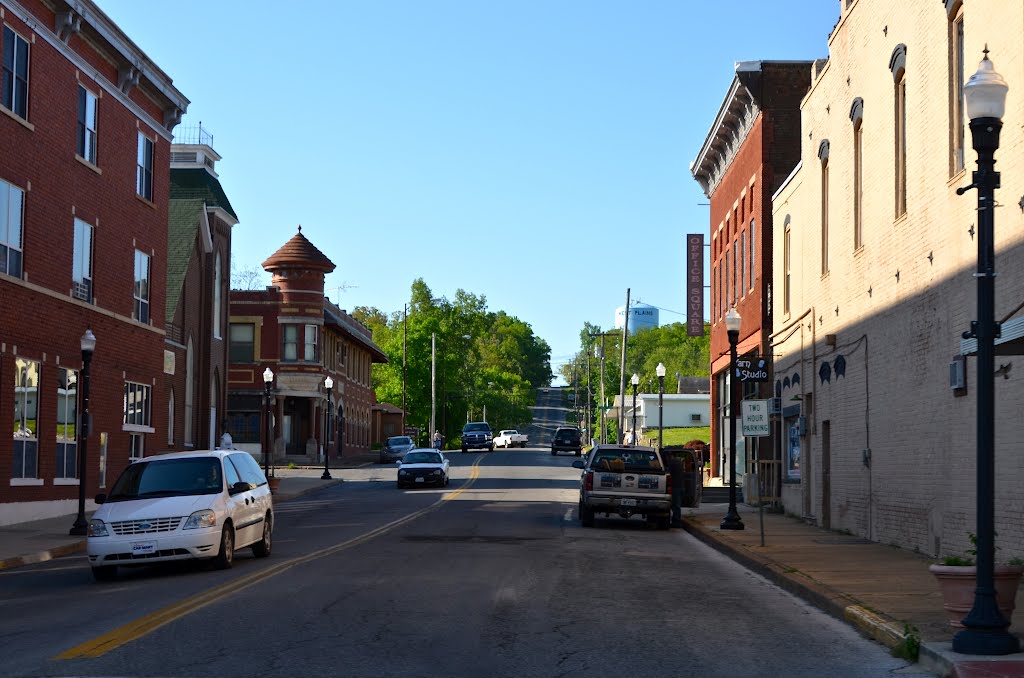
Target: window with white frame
point(136, 446)
point(136, 404)
point(144, 173)
point(87, 108)
point(26, 422)
point(310, 353)
point(290, 342)
point(67, 424)
point(218, 282)
point(81, 265)
point(141, 289)
point(12, 201)
point(14, 81)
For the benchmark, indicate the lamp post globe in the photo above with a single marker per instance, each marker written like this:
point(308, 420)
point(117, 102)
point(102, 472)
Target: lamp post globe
point(733, 321)
point(329, 384)
point(985, 628)
point(88, 345)
point(268, 383)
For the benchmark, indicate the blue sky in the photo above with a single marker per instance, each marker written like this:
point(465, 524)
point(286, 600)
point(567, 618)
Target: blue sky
point(535, 152)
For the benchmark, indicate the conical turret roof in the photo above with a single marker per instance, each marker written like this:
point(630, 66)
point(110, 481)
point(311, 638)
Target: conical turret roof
point(299, 253)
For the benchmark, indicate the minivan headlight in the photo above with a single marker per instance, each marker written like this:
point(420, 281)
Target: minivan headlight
point(204, 518)
point(97, 528)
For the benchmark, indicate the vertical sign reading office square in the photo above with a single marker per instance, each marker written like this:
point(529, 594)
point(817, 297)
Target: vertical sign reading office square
point(695, 285)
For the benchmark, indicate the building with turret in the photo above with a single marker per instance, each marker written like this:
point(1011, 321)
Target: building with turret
point(294, 330)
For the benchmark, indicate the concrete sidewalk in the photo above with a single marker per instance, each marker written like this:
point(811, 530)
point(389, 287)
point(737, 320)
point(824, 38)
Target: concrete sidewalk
point(884, 591)
point(41, 540)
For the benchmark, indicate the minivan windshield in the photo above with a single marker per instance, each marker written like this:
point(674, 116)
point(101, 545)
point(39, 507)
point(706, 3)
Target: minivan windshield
point(169, 478)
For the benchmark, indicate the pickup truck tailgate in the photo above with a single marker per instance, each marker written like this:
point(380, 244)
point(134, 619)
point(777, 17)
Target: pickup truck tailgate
point(629, 483)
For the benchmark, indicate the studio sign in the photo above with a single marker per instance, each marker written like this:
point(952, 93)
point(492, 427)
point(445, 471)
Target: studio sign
point(751, 370)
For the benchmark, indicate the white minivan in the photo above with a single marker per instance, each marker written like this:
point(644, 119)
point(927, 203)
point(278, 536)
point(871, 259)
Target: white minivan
point(182, 505)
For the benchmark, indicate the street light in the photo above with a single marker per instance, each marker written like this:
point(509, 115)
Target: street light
point(732, 520)
point(985, 628)
point(268, 382)
point(635, 380)
point(329, 383)
point(88, 344)
point(660, 371)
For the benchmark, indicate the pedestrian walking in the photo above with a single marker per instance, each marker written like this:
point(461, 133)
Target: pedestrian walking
point(437, 441)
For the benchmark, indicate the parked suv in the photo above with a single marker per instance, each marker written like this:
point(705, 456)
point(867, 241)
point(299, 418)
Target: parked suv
point(566, 439)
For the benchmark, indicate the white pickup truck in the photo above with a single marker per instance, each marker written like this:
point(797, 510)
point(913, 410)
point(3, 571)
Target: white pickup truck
point(625, 480)
point(510, 438)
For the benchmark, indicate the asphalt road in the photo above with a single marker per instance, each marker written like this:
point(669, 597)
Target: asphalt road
point(492, 576)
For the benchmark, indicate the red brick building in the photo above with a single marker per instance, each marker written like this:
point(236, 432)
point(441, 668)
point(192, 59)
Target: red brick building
point(750, 149)
point(198, 272)
point(85, 128)
point(291, 328)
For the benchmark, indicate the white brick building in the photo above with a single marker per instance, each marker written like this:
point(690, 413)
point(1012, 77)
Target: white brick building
point(874, 255)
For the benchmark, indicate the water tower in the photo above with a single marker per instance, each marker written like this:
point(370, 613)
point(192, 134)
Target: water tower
point(641, 316)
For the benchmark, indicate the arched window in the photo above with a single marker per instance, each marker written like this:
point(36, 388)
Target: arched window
point(955, 12)
point(218, 283)
point(190, 387)
point(170, 418)
point(823, 156)
point(214, 412)
point(898, 66)
point(857, 117)
point(787, 252)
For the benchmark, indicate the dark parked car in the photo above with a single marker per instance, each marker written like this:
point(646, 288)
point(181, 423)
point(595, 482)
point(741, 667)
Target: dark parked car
point(566, 439)
point(395, 448)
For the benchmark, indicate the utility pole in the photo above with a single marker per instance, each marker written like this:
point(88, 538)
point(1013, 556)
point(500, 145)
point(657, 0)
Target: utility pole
point(604, 422)
point(433, 383)
point(405, 340)
point(622, 371)
point(590, 400)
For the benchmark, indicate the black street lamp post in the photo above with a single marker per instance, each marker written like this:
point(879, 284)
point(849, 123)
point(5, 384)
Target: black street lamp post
point(268, 383)
point(985, 628)
point(329, 383)
point(635, 380)
point(88, 344)
point(660, 371)
point(732, 520)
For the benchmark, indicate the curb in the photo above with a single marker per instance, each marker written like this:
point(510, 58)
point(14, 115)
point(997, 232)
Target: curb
point(43, 556)
point(840, 605)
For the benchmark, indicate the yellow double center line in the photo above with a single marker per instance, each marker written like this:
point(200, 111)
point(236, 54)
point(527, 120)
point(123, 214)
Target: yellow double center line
point(145, 625)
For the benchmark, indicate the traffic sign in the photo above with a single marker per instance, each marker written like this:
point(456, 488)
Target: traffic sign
point(755, 419)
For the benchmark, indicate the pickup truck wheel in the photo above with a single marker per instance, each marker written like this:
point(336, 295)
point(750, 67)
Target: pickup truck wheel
point(586, 516)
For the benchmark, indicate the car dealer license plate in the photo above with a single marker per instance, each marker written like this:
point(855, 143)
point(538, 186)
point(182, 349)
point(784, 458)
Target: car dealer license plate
point(629, 502)
point(143, 548)
point(420, 480)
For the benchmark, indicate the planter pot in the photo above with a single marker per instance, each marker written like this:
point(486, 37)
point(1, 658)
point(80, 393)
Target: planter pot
point(957, 583)
point(274, 484)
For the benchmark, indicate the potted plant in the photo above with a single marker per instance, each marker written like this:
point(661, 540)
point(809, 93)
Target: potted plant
point(957, 580)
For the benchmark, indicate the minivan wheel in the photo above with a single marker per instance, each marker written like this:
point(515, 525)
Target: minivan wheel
point(105, 573)
point(226, 556)
point(261, 549)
